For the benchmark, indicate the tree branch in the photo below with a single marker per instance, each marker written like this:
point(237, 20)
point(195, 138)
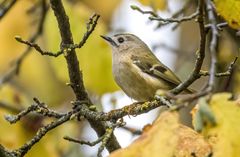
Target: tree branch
point(90, 28)
point(163, 21)
point(37, 107)
point(38, 48)
point(103, 139)
point(132, 109)
point(200, 54)
point(213, 44)
point(228, 72)
point(177, 20)
point(40, 134)
point(74, 72)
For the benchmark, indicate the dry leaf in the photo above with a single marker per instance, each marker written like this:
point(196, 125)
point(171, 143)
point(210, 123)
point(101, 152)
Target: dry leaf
point(225, 136)
point(166, 138)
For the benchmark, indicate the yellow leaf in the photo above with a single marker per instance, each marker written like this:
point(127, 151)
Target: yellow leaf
point(155, 4)
point(225, 136)
point(166, 138)
point(230, 11)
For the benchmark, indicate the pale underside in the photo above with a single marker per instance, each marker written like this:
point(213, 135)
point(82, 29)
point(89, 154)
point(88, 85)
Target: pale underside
point(143, 87)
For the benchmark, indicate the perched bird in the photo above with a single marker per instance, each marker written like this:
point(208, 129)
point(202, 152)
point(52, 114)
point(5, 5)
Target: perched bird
point(137, 70)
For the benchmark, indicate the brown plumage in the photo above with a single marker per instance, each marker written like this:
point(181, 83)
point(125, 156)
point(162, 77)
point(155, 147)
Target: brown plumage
point(137, 70)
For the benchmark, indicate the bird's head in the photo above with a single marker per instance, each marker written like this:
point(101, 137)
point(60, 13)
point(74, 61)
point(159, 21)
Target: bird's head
point(124, 42)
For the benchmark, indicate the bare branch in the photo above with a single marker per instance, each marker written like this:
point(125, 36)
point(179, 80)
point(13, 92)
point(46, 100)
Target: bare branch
point(39, 108)
point(164, 21)
point(84, 142)
point(177, 20)
point(13, 119)
point(226, 73)
point(134, 7)
point(220, 26)
point(74, 71)
point(103, 139)
point(40, 134)
point(38, 48)
point(200, 54)
point(90, 28)
point(42, 109)
point(213, 44)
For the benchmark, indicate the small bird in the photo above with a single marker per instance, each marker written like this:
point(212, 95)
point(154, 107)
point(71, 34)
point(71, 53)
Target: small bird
point(137, 70)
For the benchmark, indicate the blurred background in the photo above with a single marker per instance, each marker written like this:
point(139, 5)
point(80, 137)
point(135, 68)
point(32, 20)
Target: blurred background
point(45, 77)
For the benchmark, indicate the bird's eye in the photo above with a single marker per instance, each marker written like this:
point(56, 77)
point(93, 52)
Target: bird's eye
point(120, 40)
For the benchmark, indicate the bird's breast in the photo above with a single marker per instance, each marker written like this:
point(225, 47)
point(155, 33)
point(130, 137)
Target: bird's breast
point(135, 83)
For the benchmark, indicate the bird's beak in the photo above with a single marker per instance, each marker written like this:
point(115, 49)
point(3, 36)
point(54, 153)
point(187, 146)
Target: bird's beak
point(110, 40)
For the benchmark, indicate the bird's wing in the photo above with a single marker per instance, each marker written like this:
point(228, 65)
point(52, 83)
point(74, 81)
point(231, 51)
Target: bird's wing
point(152, 66)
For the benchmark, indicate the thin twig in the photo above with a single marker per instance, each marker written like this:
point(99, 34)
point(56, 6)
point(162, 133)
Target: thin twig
point(38, 48)
point(220, 26)
point(177, 20)
point(14, 118)
point(84, 142)
point(183, 100)
point(200, 54)
point(39, 108)
point(164, 21)
point(90, 28)
point(40, 134)
point(42, 108)
point(213, 44)
point(103, 139)
point(134, 7)
point(221, 74)
point(108, 134)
